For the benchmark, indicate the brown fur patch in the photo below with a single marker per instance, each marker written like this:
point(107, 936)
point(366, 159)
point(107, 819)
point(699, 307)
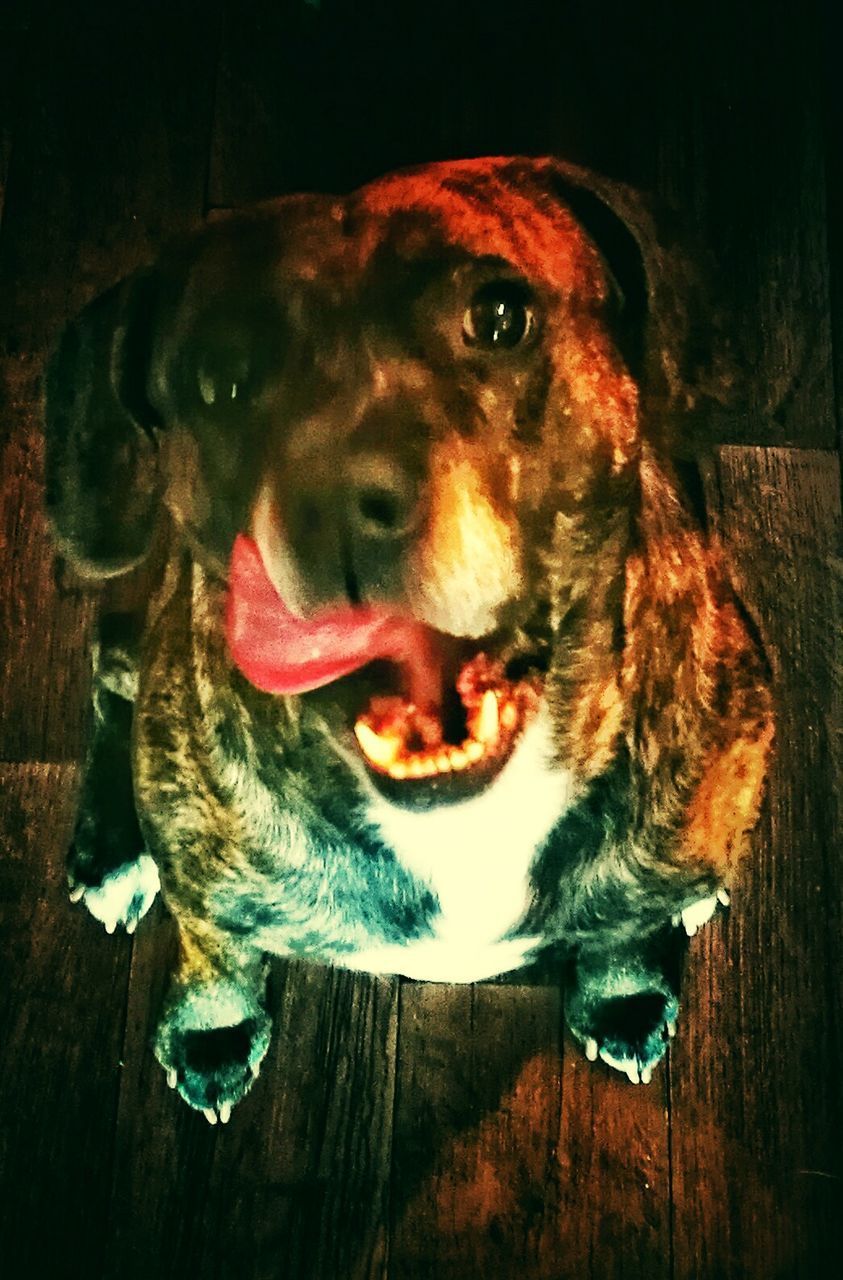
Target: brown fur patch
point(696, 681)
point(725, 805)
point(597, 716)
point(469, 558)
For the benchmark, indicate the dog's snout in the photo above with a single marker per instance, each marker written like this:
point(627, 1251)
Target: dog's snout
point(382, 498)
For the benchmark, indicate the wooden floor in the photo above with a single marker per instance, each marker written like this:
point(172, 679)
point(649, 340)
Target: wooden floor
point(405, 1130)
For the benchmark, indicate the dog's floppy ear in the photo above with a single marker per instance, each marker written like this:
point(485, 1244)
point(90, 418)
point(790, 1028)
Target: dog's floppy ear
point(101, 459)
point(694, 673)
point(668, 329)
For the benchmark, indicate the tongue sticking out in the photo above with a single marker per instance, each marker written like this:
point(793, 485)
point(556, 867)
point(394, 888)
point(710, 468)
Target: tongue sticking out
point(281, 653)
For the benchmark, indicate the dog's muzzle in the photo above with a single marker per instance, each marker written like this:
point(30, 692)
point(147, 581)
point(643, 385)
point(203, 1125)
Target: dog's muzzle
point(436, 717)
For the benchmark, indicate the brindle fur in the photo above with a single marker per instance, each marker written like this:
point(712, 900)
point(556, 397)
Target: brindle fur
point(337, 322)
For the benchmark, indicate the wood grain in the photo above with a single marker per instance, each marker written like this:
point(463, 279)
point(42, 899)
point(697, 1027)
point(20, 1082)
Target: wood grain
point(300, 1177)
point(61, 1010)
point(476, 1131)
point(756, 1099)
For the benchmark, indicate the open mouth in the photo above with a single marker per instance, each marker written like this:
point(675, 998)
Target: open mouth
point(439, 718)
point(453, 749)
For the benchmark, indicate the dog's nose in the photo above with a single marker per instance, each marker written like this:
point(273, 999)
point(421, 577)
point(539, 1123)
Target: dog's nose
point(382, 498)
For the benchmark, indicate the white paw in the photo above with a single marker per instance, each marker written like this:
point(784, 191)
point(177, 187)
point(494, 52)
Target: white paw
point(701, 911)
point(125, 895)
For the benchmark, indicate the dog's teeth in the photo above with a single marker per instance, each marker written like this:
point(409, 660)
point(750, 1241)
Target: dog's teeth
point(398, 770)
point(591, 1050)
point(458, 758)
point(381, 751)
point(421, 766)
point(509, 715)
point(210, 1115)
point(474, 751)
point(443, 763)
point(486, 729)
point(225, 1112)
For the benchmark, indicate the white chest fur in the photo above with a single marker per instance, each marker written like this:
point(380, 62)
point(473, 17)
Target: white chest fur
point(476, 858)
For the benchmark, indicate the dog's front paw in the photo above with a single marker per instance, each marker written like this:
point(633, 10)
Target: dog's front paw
point(622, 1006)
point(123, 896)
point(629, 1033)
point(211, 1043)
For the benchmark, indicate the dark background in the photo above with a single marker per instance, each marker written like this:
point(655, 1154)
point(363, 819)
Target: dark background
point(401, 1129)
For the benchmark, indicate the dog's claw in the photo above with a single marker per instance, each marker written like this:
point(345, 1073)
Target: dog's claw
point(77, 893)
point(646, 1075)
point(671, 1030)
point(225, 1112)
point(172, 1078)
point(591, 1050)
point(698, 914)
point(723, 896)
point(210, 1115)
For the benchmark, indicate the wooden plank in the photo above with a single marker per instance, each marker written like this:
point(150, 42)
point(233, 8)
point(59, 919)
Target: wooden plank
point(476, 1130)
point(110, 157)
point(614, 1215)
point(44, 619)
point(509, 1163)
point(296, 1184)
point(755, 1081)
point(62, 1002)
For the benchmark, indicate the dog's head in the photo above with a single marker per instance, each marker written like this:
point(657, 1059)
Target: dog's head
point(405, 426)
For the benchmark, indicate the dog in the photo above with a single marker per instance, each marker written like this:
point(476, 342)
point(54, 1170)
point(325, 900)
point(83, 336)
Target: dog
point(441, 671)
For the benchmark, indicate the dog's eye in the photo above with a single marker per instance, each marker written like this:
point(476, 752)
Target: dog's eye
point(222, 381)
point(499, 316)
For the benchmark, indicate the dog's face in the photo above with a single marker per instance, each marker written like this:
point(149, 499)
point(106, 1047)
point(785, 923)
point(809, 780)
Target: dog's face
point(405, 428)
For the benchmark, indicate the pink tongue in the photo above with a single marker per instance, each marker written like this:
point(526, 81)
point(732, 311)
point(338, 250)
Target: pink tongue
point(281, 653)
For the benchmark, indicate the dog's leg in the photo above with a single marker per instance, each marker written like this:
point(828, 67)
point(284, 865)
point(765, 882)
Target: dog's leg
point(107, 867)
point(622, 1002)
point(215, 1030)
